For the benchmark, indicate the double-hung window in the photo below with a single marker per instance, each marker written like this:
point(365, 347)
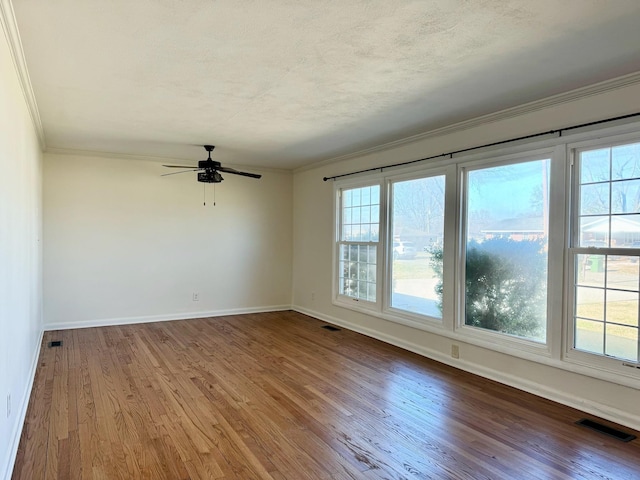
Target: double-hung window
point(604, 252)
point(359, 243)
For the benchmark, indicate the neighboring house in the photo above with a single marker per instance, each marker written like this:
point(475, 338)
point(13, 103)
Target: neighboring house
point(518, 229)
point(622, 231)
point(595, 232)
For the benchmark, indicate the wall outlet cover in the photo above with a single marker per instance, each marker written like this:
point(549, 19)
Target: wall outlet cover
point(455, 351)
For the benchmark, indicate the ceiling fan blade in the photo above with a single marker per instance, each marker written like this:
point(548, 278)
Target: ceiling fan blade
point(179, 166)
point(236, 172)
point(183, 171)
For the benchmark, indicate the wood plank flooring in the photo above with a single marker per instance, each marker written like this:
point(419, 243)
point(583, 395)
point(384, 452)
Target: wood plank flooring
point(275, 396)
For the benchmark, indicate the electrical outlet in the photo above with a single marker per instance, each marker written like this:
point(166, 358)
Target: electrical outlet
point(8, 405)
point(196, 297)
point(313, 296)
point(455, 351)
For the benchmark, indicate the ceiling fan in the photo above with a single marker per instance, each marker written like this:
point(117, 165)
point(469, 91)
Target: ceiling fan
point(209, 170)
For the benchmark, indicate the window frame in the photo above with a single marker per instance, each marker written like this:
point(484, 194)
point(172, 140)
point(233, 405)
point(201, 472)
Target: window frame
point(345, 300)
point(388, 311)
point(571, 354)
point(484, 335)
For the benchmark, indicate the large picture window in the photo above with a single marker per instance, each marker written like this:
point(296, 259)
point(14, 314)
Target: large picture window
point(506, 249)
point(606, 245)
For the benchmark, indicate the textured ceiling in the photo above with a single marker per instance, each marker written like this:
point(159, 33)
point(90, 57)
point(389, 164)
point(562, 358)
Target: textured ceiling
point(285, 83)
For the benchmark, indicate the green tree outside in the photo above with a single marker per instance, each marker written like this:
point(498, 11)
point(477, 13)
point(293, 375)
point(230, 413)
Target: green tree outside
point(505, 286)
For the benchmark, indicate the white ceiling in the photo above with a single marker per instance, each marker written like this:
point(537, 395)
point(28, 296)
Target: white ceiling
point(285, 83)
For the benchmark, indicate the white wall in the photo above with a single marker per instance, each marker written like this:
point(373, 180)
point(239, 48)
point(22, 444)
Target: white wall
point(20, 257)
point(123, 244)
point(313, 243)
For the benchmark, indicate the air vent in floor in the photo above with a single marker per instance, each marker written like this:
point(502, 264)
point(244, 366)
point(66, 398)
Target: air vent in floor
point(330, 327)
point(612, 432)
point(55, 343)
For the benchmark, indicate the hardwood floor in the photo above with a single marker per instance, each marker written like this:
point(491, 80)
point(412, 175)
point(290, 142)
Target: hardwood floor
point(275, 396)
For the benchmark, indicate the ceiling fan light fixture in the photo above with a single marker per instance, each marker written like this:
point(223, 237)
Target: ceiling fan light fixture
point(210, 176)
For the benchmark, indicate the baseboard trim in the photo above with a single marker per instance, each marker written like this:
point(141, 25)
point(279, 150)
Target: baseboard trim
point(22, 413)
point(593, 408)
point(109, 322)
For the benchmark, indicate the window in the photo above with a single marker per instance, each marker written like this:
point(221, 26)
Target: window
point(358, 242)
point(605, 250)
point(417, 229)
point(532, 251)
point(506, 246)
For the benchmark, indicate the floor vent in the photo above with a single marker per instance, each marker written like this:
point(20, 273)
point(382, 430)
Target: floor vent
point(330, 327)
point(55, 343)
point(612, 432)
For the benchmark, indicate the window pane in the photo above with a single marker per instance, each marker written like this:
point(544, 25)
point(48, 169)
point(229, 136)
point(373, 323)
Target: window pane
point(622, 273)
point(625, 161)
point(346, 198)
point(590, 303)
point(625, 231)
point(621, 342)
point(416, 251)
point(590, 336)
point(625, 196)
point(506, 249)
point(590, 270)
point(355, 215)
point(594, 199)
point(594, 231)
point(622, 308)
point(595, 166)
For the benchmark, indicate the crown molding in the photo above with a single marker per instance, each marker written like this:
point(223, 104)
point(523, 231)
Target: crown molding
point(566, 97)
point(11, 33)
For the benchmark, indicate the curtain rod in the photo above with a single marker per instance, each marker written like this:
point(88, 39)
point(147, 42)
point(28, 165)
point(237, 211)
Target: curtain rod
point(502, 142)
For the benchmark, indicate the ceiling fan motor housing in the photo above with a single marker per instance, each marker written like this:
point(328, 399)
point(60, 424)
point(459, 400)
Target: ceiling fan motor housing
point(209, 176)
point(210, 164)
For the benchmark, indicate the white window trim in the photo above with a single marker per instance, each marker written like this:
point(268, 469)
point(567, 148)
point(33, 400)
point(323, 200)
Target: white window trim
point(557, 352)
point(571, 354)
point(344, 300)
point(507, 341)
point(388, 311)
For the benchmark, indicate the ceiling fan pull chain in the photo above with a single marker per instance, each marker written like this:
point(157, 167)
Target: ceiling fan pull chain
point(214, 194)
point(204, 194)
